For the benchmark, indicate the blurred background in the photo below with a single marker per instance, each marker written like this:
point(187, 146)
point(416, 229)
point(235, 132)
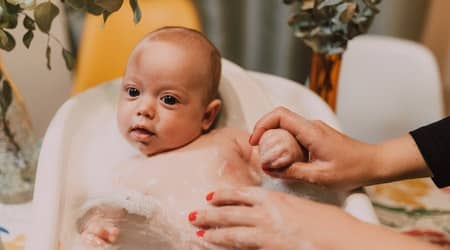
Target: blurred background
point(251, 33)
point(395, 86)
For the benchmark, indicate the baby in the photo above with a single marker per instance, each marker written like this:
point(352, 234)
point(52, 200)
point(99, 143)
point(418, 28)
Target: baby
point(168, 104)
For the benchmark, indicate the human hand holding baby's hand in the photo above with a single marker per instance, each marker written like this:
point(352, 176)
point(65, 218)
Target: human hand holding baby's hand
point(335, 160)
point(279, 149)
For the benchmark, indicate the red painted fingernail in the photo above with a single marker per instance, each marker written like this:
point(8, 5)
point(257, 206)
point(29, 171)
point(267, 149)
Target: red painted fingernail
point(209, 196)
point(266, 168)
point(200, 233)
point(192, 216)
point(250, 139)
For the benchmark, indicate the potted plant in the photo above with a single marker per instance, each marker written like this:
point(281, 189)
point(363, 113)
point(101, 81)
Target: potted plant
point(326, 26)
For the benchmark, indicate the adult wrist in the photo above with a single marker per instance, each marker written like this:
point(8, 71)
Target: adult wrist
point(372, 164)
point(398, 159)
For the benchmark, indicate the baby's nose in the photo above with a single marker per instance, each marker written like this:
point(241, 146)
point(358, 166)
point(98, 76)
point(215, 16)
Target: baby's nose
point(147, 108)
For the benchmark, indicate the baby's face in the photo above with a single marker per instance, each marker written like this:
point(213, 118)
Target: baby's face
point(162, 99)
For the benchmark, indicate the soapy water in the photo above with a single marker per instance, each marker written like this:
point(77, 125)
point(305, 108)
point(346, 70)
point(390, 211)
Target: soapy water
point(151, 224)
point(147, 225)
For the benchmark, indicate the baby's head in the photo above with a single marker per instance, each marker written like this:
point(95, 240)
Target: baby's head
point(169, 93)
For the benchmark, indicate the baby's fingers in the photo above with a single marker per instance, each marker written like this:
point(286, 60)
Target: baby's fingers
point(93, 241)
point(113, 234)
point(270, 155)
point(107, 233)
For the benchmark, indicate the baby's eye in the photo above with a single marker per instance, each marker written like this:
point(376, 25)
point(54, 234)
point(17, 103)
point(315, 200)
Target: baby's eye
point(133, 92)
point(170, 100)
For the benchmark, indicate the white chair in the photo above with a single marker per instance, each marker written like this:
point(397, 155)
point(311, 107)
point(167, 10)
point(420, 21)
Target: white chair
point(387, 87)
point(296, 97)
point(76, 151)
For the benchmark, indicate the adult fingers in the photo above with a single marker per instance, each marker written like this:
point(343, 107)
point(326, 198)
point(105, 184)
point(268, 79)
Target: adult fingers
point(285, 119)
point(227, 216)
point(235, 237)
point(301, 171)
point(236, 196)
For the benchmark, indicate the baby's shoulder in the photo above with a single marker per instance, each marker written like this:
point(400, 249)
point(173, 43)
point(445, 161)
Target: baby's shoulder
point(229, 132)
point(236, 137)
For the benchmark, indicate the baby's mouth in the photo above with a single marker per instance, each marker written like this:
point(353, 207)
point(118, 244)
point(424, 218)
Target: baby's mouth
point(141, 134)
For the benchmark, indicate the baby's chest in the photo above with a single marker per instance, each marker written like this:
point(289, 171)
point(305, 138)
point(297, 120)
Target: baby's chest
point(180, 176)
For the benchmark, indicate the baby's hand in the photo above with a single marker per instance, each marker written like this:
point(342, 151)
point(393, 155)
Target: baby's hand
point(98, 227)
point(279, 149)
point(99, 233)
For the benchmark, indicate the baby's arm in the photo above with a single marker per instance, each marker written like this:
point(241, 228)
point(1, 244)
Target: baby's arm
point(99, 225)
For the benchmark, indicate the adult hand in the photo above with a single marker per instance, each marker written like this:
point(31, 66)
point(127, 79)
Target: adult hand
point(255, 218)
point(261, 219)
point(338, 161)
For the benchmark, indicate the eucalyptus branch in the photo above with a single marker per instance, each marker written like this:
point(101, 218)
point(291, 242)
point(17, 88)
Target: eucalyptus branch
point(57, 40)
point(44, 13)
point(49, 34)
point(327, 25)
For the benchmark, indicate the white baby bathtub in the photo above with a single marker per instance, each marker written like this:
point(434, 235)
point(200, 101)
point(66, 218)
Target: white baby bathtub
point(83, 138)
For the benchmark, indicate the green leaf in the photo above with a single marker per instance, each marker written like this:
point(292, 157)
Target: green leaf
point(6, 95)
point(44, 14)
point(27, 38)
point(48, 52)
point(8, 20)
point(109, 5)
point(93, 8)
point(7, 41)
point(76, 4)
point(12, 8)
point(326, 3)
point(3, 37)
point(68, 58)
point(28, 23)
point(136, 10)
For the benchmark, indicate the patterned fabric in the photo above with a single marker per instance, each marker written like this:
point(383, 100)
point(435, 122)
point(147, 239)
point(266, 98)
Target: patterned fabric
point(14, 221)
point(414, 207)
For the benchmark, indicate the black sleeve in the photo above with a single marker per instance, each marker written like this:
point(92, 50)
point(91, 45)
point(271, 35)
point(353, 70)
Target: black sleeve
point(434, 144)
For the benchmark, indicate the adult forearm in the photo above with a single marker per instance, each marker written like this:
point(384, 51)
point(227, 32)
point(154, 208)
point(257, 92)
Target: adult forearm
point(398, 159)
point(374, 237)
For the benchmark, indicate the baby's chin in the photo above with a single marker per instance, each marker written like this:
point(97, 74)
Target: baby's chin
point(146, 150)
point(158, 146)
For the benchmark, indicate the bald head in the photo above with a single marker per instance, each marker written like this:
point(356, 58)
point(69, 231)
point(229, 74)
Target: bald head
point(191, 40)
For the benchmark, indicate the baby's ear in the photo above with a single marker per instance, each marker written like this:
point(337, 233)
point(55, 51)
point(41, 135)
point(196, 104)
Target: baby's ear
point(210, 114)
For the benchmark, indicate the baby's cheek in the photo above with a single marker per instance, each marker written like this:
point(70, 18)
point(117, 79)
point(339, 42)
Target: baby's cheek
point(123, 120)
